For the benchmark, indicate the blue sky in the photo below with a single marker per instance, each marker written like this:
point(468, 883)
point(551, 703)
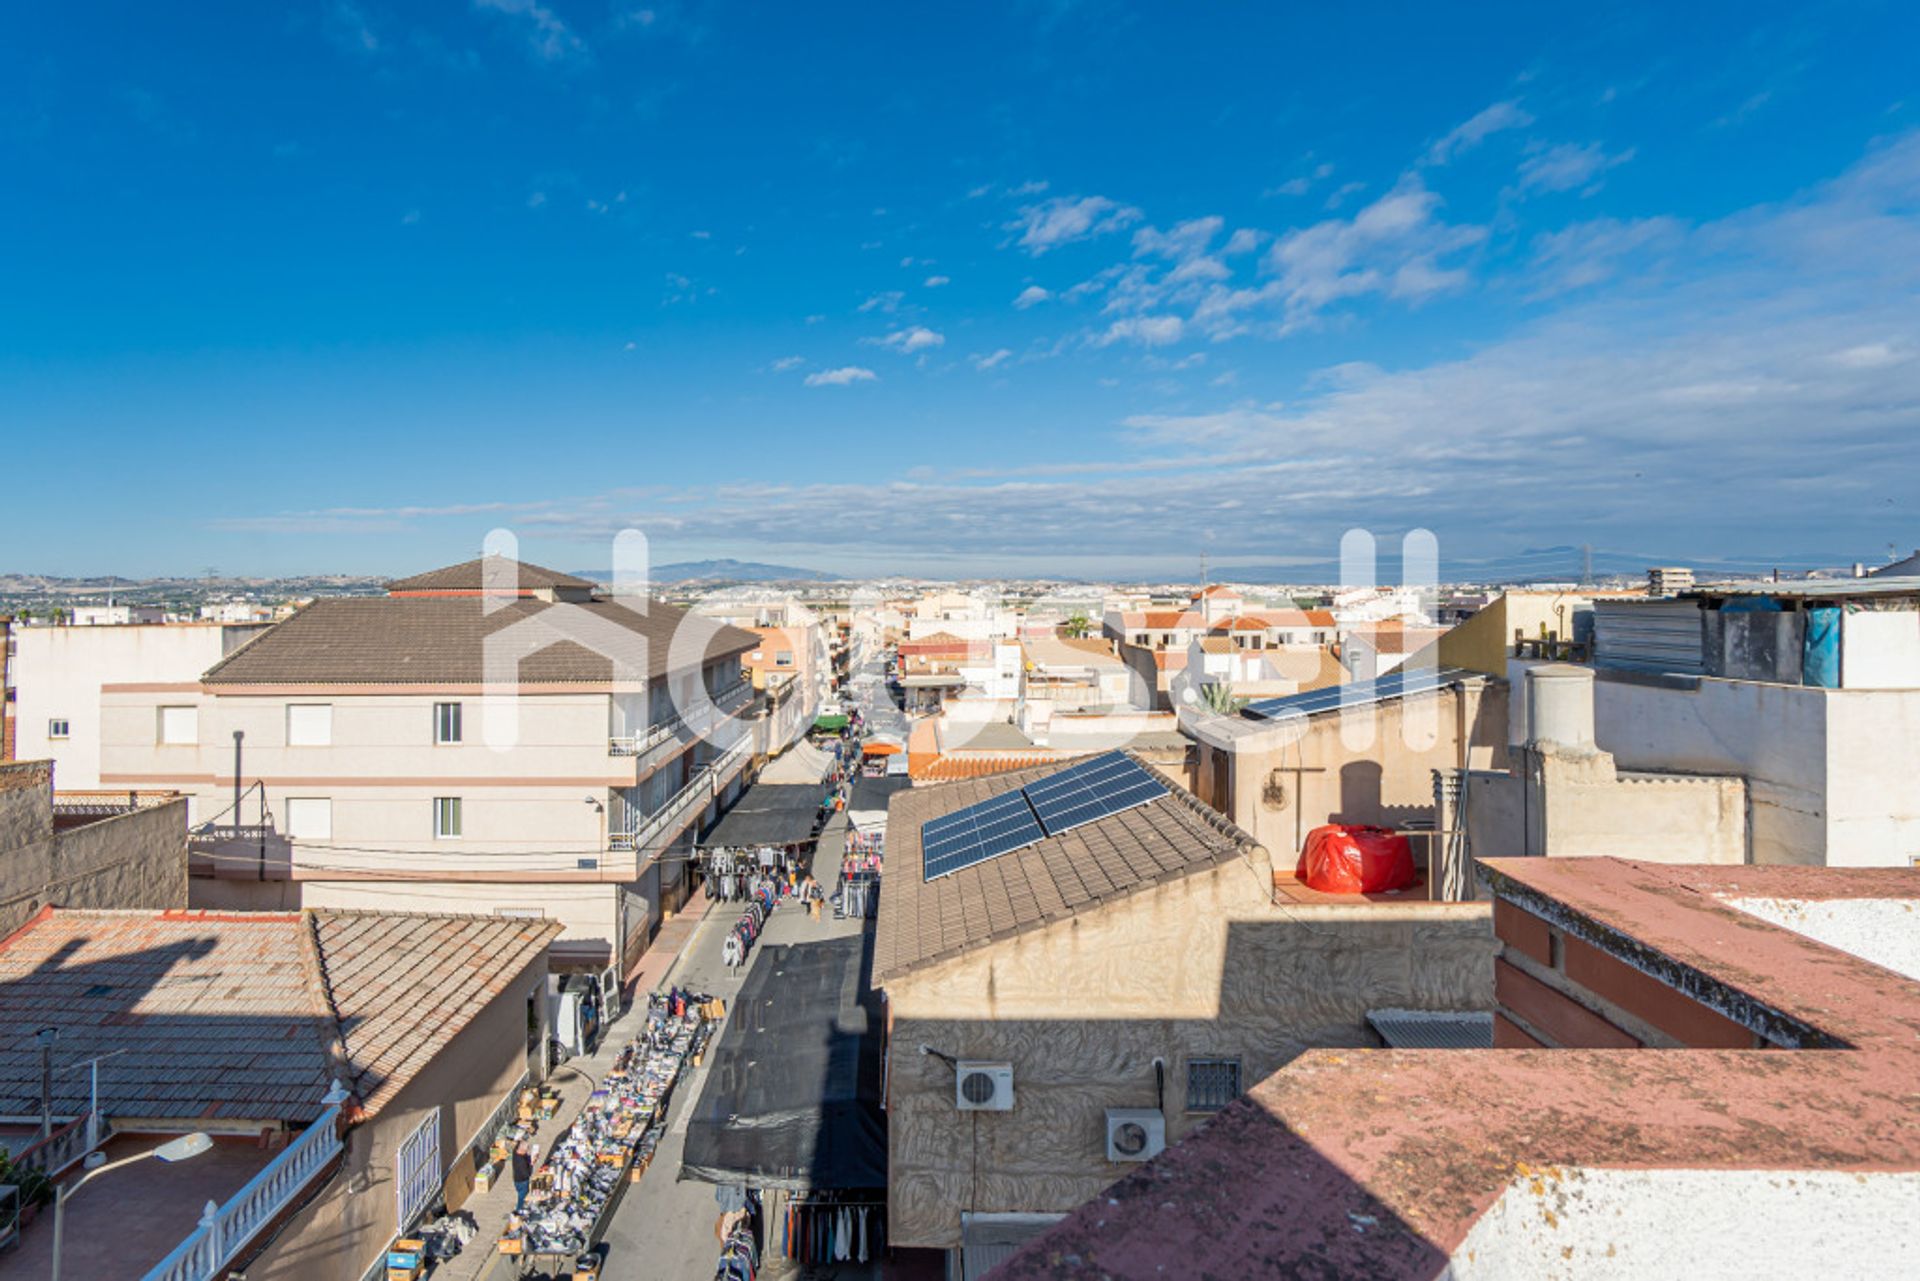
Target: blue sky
point(1076, 287)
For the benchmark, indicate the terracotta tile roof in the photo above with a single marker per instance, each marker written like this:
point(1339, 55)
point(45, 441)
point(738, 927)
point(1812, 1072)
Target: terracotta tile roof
point(355, 640)
point(245, 1016)
point(1378, 1163)
point(951, 769)
point(925, 921)
point(472, 576)
point(1216, 590)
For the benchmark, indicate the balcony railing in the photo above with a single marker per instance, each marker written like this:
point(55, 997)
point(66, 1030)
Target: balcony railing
point(656, 736)
point(60, 1150)
point(224, 1230)
point(708, 782)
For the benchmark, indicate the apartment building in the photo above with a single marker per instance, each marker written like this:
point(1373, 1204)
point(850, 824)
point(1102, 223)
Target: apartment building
point(57, 673)
point(491, 737)
point(1158, 644)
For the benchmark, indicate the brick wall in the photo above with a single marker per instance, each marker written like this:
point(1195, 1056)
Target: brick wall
point(1556, 990)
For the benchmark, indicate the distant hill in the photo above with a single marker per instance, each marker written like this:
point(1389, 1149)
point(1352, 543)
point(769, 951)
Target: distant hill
point(725, 570)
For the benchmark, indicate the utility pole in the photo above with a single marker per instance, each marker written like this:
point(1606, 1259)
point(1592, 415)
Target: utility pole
point(48, 1035)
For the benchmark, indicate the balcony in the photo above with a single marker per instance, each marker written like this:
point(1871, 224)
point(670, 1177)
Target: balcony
point(658, 828)
point(225, 1230)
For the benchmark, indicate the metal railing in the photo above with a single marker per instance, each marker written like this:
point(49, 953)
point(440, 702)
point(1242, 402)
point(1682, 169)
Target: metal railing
point(225, 1229)
point(63, 1148)
point(707, 782)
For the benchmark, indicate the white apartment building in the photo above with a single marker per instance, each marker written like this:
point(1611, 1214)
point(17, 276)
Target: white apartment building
point(57, 674)
point(458, 745)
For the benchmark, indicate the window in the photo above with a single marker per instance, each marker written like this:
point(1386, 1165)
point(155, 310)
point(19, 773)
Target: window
point(310, 818)
point(784, 658)
point(180, 726)
point(446, 722)
point(446, 817)
point(309, 724)
point(1212, 1084)
point(58, 729)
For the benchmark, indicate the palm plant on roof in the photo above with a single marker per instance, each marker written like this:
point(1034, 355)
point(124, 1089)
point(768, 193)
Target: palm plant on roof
point(1218, 697)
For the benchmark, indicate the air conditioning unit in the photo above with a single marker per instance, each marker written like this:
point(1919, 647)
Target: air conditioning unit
point(983, 1087)
point(1135, 1134)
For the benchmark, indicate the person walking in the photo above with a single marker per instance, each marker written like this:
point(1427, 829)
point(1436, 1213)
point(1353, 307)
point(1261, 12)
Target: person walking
point(522, 1174)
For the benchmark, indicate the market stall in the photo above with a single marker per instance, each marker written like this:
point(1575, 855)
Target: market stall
point(610, 1144)
point(808, 1133)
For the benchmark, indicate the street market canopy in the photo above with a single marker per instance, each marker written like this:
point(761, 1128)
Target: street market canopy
point(793, 1097)
point(768, 814)
point(830, 720)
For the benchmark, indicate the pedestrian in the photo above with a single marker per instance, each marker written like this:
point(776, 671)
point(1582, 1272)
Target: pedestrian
point(522, 1174)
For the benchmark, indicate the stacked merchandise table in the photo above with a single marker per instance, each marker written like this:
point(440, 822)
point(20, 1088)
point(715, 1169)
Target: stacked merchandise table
point(612, 1142)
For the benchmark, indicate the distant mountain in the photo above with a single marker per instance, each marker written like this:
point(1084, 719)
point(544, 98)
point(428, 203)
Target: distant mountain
point(725, 570)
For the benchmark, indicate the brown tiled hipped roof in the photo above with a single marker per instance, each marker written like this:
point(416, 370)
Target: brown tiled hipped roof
point(244, 1016)
point(473, 576)
point(374, 640)
point(924, 921)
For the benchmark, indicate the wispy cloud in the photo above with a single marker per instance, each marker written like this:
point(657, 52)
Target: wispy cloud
point(845, 376)
point(1477, 129)
point(786, 363)
point(1031, 296)
point(1065, 219)
point(909, 340)
point(992, 359)
point(1569, 166)
point(886, 303)
point(549, 38)
point(1148, 331)
point(934, 282)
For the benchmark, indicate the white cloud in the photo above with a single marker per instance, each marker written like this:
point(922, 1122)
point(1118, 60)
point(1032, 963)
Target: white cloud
point(909, 340)
point(1588, 253)
point(992, 359)
point(1065, 219)
point(1244, 241)
point(845, 376)
point(1471, 133)
point(1031, 296)
point(1291, 187)
point(550, 39)
point(537, 199)
point(888, 302)
point(1184, 240)
point(786, 363)
point(1148, 331)
point(1030, 188)
point(1569, 165)
point(934, 282)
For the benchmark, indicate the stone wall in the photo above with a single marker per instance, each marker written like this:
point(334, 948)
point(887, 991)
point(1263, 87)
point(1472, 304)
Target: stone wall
point(1204, 966)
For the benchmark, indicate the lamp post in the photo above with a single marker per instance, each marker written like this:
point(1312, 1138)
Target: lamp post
point(183, 1148)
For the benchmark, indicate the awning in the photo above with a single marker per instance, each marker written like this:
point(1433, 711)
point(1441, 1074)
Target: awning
point(880, 747)
point(768, 814)
point(830, 720)
point(793, 1097)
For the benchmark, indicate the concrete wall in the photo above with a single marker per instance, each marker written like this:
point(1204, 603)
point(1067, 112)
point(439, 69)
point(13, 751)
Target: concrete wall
point(1829, 772)
point(343, 1231)
point(136, 860)
point(59, 672)
point(1880, 649)
point(1201, 967)
point(1369, 764)
point(1570, 805)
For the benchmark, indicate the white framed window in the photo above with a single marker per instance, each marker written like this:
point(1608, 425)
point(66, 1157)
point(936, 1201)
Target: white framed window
point(309, 724)
point(179, 726)
point(58, 728)
point(784, 658)
point(446, 722)
point(310, 818)
point(446, 817)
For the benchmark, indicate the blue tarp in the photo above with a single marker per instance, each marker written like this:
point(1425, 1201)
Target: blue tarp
point(1820, 652)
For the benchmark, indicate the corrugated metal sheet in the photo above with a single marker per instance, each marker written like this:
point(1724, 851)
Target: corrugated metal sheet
point(988, 1240)
point(1433, 1029)
point(1648, 636)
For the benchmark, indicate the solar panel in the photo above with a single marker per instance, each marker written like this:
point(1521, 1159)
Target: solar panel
point(977, 833)
point(1092, 790)
point(1394, 684)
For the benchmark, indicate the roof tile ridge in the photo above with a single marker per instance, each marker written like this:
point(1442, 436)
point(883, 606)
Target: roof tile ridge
point(333, 1047)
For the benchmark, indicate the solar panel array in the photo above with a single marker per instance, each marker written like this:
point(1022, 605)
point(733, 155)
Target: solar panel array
point(1086, 793)
point(1394, 684)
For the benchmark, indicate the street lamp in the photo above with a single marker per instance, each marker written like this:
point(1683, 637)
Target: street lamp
point(183, 1148)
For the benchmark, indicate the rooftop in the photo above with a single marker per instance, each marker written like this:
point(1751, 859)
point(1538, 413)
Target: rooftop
point(449, 640)
point(1392, 1163)
point(244, 1016)
point(490, 575)
point(922, 921)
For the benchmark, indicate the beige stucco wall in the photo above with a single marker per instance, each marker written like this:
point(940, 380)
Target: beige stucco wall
point(343, 1231)
point(1577, 806)
point(1367, 764)
point(1203, 966)
point(131, 861)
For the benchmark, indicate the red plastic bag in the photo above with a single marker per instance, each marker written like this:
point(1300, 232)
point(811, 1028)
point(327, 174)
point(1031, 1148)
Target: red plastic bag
point(1355, 860)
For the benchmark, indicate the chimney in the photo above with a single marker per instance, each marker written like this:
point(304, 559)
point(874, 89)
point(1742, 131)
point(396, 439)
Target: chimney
point(1560, 707)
